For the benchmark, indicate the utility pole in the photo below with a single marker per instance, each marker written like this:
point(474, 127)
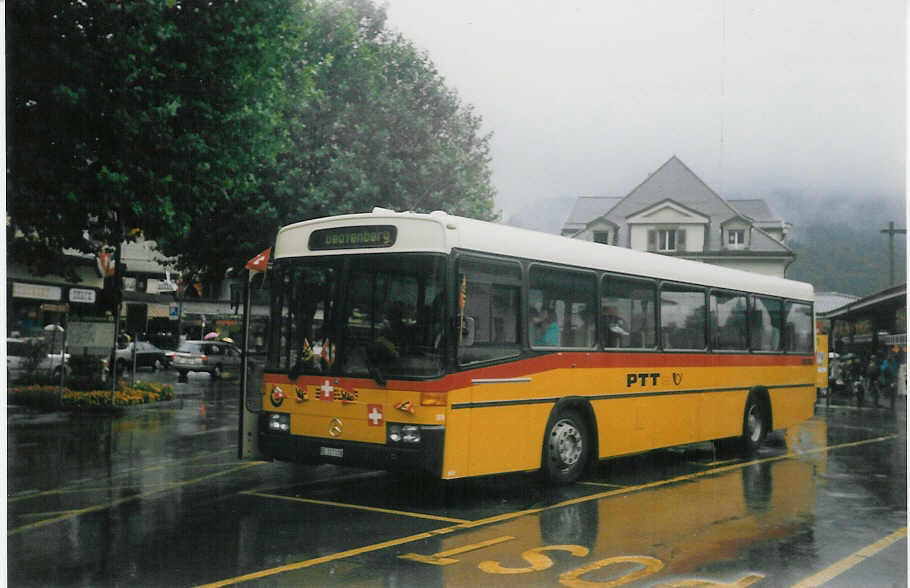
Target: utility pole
point(891, 232)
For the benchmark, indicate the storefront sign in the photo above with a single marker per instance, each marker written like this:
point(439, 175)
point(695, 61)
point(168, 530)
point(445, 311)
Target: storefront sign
point(55, 307)
point(90, 334)
point(158, 311)
point(36, 291)
point(83, 295)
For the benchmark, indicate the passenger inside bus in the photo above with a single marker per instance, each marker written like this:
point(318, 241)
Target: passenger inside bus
point(546, 328)
point(614, 328)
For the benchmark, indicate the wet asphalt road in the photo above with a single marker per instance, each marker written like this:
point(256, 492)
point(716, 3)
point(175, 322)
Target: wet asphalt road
point(156, 497)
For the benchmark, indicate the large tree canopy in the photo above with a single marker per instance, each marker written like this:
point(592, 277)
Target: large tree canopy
point(208, 124)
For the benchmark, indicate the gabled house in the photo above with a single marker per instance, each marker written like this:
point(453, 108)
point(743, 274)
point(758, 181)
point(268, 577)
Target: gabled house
point(674, 212)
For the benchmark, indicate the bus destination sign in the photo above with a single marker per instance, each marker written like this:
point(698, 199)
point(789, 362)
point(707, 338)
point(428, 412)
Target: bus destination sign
point(363, 237)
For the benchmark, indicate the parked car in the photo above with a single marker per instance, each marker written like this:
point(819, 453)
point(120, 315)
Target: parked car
point(147, 355)
point(17, 357)
point(213, 357)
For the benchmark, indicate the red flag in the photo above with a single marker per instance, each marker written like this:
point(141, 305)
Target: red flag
point(261, 262)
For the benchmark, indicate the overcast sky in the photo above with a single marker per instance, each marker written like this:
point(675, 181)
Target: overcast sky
point(587, 97)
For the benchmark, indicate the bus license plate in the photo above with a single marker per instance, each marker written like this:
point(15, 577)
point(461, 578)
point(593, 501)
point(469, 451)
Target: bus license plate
point(331, 451)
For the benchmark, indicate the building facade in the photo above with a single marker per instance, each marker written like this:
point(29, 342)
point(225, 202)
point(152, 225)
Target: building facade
point(674, 212)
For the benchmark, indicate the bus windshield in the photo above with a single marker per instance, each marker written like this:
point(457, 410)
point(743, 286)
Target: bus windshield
point(372, 316)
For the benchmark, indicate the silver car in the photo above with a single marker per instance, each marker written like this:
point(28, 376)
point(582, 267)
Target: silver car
point(214, 357)
point(17, 352)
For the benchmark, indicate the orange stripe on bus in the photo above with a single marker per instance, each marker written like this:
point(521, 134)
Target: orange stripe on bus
point(566, 360)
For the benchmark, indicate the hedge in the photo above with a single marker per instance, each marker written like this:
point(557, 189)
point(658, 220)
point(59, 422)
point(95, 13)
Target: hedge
point(47, 397)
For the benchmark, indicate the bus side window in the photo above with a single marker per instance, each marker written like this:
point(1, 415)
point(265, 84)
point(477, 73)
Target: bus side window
point(765, 323)
point(682, 317)
point(627, 313)
point(560, 305)
point(489, 303)
point(799, 331)
point(728, 321)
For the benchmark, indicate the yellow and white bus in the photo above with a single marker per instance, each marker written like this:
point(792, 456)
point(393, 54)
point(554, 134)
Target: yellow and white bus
point(465, 348)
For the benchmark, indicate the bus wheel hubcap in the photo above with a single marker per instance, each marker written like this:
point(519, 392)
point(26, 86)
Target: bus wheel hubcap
point(754, 424)
point(566, 444)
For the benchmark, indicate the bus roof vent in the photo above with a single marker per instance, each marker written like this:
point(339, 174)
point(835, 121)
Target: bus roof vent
point(380, 210)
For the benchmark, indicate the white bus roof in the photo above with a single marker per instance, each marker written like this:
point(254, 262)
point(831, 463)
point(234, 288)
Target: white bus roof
point(439, 232)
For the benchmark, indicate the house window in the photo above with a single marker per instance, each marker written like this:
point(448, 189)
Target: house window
point(736, 237)
point(602, 237)
point(666, 240)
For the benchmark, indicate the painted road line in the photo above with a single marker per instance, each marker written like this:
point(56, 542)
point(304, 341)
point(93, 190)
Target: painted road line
point(444, 558)
point(355, 507)
point(45, 514)
point(149, 468)
point(320, 481)
point(838, 568)
point(518, 514)
point(712, 464)
point(114, 503)
point(602, 485)
point(720, 470)
point(327, 558)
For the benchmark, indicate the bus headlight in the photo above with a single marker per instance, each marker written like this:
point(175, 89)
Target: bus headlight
point(399, 433)
point(280, 423)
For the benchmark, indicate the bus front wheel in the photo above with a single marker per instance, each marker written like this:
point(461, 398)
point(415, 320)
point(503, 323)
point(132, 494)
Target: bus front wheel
point(566, 448)
point(753, 426)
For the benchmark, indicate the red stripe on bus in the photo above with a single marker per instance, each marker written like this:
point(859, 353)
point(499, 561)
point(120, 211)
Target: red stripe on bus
point(563, 360)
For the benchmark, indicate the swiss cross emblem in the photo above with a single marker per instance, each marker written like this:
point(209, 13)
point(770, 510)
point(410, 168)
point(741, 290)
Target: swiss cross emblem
point(326, 391)
point(374, 414)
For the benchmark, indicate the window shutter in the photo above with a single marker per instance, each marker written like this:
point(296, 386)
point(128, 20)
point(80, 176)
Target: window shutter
point(681, 240)
point(652, 240)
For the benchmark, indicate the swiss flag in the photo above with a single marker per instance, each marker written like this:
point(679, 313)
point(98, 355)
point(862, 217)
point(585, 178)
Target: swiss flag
point(374, 414)
point(261, 262)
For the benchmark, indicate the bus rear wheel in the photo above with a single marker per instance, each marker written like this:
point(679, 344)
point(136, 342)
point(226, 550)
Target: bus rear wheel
point(753, 426)
point(566, 448)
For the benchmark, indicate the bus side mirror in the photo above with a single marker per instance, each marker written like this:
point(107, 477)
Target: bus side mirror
point(467, 332)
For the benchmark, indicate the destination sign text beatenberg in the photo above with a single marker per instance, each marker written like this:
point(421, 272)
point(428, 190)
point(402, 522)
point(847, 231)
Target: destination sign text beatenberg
point(353, 237)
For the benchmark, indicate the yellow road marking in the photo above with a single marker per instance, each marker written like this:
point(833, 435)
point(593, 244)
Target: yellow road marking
point(355, 506)
point(848, 562)
point(602, 485)
point(444, 558)
point(517, 514)
point(326, 558)
point(113, 503)
point(712, 464)
point(96, 489)
point(45, 514)
point(346, 478)
point(150, 468)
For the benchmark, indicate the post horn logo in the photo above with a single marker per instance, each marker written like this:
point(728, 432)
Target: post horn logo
point(677, 378)
point(277, 396)
point(335, 427)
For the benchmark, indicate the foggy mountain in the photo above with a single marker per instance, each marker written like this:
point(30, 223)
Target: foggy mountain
point(836, 237)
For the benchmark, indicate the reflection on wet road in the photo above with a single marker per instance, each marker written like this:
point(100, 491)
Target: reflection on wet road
point(156, 497)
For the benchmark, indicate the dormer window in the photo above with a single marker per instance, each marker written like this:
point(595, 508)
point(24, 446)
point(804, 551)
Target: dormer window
point(602, 237)
point(736, 237)
point(667, 240)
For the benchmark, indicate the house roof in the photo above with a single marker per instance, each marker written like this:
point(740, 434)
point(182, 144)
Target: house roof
point(759, 212)
point(588, 208)
point(675, 181)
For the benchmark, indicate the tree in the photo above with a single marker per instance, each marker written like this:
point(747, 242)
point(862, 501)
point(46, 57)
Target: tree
point(210, 123)
point(382, 127)
point(143, 113)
